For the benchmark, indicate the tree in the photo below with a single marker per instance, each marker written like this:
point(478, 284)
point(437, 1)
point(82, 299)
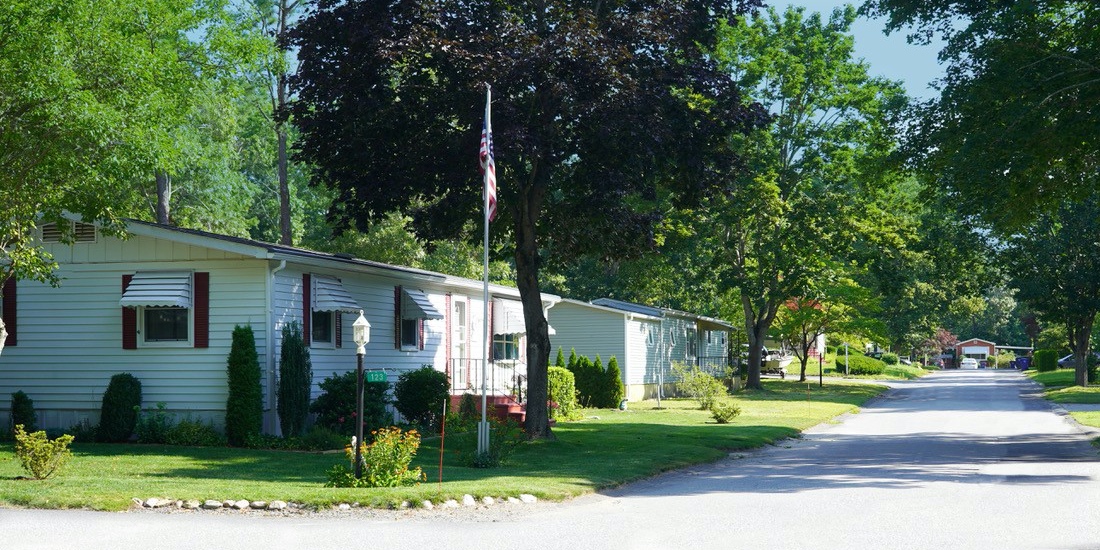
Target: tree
point(596, 105)
point(295, 380)
point(1017, 110)
point(831, 125)
point(1061, 280)
point(839, 305)
point(244, 406)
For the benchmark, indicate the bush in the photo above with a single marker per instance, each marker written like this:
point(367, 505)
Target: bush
point(1004, 360)
point(335, 407)
point(295, 379)
point(890, 358)
point(320, 438)
point(1091, 365)
point(419, 395)
point(1046, 360)
point(244, 408)
point(153, 426)
point(724, 411)
point(612, 391)
point(22, 411)
point(119, 412)
point(467, 409)
point(560, 361)
point(505, 436)
point(563, 393)
point(861, 365)
point(385, 461)
point(40, 457)
point(587, 378)
point(693, 382)
point(194, 433)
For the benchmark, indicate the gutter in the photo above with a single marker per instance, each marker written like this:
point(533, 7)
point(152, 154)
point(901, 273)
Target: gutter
point(270, 422)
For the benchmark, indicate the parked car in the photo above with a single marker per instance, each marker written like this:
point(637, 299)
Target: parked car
point(1068, 363)
point(968, 363)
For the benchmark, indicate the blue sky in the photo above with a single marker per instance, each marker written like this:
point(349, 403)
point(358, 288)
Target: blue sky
point(888, 56)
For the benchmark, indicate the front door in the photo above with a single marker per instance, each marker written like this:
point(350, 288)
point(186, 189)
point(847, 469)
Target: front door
point(459, 345)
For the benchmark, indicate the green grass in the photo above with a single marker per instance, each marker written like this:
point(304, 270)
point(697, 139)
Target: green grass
point(1088, 418)
point(1060, 389)
point(893, 372)
point(606, 449)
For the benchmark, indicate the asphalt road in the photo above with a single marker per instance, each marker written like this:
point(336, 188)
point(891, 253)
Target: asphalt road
point(957, 460)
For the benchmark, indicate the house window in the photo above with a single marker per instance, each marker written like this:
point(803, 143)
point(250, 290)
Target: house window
point(165, 325)
point(321, 331)
point(410, 333)
point(650, 335)
point(709, 337)
point(506, 347)
point(691, 343)
point(672, 336)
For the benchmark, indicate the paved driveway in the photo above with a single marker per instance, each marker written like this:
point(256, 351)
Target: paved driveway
point(959, 459)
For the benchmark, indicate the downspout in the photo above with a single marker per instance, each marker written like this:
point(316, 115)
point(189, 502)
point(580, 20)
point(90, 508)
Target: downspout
point(270, 421)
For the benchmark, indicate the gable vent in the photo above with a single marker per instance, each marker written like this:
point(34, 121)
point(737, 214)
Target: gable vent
point(82, 232)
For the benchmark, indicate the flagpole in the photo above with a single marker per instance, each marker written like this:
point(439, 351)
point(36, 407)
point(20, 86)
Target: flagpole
point(483, 426)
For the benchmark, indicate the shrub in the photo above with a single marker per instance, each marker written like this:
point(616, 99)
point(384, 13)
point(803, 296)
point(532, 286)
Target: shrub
point(194, 433)
point(1046, 360)
point(335, 407)
point(153, 426)
point(505, 436)
point(612, 391)
point(890, 358)
point(861, 365)
point(724, 411)
point(244, 407)
point(586, 377)
point(467, 408)
point(83, 431)
point(119, 412)
point(563, 393)
point(40, 457)
point(693, 382)
point(22, 411)
point(385, 461)
point(1091, 365)
point(560, 361)
point(295, 378)
point(419, 395)
point(1005, 359)
point(320, 438)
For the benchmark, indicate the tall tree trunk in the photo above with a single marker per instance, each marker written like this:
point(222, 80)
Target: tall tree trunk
point(1079, 332)
point(164, 194)
point(756, 344)
point(285, 236)
point(530, 198)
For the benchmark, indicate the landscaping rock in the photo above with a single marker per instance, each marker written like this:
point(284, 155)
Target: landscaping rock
point(276, 505)
point(427, 504)
point(228, 503)
point(528, 499)
point(468, 500)
point(136, 502)
point(191, 504)
point(513, 500)
point(258, 504)
point(343, 505)
point(212, 504)
point(155, 502)
point(488, 501)
point(449, 503)
point(241, 505)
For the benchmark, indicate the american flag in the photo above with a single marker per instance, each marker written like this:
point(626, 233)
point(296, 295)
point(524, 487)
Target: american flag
point(488, 165)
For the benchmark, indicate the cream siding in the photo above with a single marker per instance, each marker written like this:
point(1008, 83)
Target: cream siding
point(590, 331)
point(70, 337)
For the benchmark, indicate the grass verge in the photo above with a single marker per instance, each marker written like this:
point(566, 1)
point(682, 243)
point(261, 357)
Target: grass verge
point(606, 449)
point(1059, 387)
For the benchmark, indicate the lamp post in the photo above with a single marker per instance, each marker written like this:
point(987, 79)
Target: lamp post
point(845, 358)
point(361, 335)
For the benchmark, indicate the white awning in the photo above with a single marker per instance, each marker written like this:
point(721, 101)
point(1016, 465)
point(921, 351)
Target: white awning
point(418, 306)
point(508, 317)
point(158, 288)
point(330, 295)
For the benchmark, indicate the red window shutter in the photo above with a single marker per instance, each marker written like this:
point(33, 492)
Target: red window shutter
point(307, 309)
point(9, 310)
point(397, 317)
point(420, 328)
point(201, 308)
point(129, 320)
point(338, 323)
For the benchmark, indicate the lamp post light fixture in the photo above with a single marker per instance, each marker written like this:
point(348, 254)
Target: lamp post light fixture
point(360, 330)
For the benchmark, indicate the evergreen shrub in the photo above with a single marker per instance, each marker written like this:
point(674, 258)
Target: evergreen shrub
point(335, 407)
point(194, 433)
point(563, 393)
point(244, 408)
point(119, 411)
point(723, 411)
point(861, 365)
point(612, 390)
point(890, 358)
point(295, 379)
point(152, 426)
point(701, 386)
point(419, 395)
point(22, 411)
point(40, 457)
point(1046, 360)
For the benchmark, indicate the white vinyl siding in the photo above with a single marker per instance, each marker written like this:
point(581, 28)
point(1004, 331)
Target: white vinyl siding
point(67, 373)
point(590, 331)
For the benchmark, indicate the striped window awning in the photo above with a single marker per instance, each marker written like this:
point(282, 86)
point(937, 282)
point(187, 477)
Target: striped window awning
point(417, 305)
point(158, 289)
point(329, 294)
point(508, 317)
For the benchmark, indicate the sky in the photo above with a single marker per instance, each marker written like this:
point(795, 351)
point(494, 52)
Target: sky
point(889, 56)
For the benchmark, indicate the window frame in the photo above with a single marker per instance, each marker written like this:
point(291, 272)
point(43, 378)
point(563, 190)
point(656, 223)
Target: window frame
point(142, 333)
point(406, 345)
point(508, 341)
point(691, 343)
point(331, 321)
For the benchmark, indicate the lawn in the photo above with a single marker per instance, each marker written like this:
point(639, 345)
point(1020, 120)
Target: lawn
point(893, 372)
point(1088, 418)
point(1060, 389)
point(605, 449)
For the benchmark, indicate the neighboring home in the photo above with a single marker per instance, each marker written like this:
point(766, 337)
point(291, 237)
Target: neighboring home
point(163, 303)
point(645, 340)
point(975, 348)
